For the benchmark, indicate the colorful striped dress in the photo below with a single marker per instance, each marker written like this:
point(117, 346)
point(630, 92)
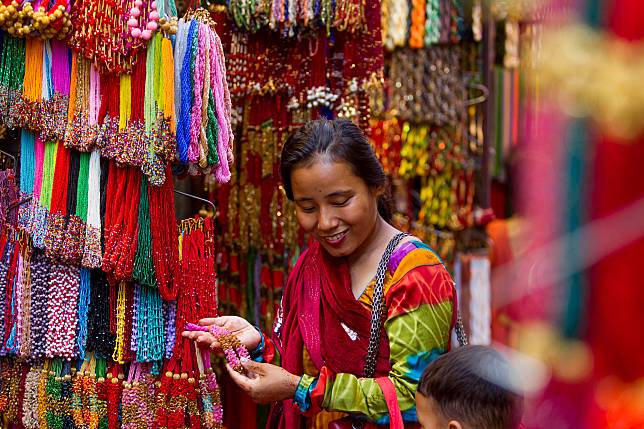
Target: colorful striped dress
point(420, 298)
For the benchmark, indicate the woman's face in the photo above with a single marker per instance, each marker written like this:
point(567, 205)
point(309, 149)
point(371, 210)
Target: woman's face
point(334, 205)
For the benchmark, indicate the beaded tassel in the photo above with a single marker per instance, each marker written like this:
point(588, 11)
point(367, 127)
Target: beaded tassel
point(30, 399)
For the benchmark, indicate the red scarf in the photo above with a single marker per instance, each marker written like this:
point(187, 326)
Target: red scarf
point(318, 298)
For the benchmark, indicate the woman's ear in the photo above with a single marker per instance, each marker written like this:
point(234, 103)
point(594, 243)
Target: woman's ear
point(377, 191)
point(453, 424)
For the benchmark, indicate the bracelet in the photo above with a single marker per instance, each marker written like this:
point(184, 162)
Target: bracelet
point(302, 398)
point(256, 353)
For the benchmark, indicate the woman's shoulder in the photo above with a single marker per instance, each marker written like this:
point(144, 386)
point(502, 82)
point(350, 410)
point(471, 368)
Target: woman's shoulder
point(417, 276)
point(410, 254)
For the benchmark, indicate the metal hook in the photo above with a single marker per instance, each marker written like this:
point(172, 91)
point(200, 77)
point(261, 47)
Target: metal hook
point(13, 158)
point(210, 203)
point(481, 98)
point(19, 203)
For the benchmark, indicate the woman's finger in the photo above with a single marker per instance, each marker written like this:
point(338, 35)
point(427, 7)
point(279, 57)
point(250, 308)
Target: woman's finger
point(206, 338)
point(192, 335)
point(209, 321)
point(241, 380)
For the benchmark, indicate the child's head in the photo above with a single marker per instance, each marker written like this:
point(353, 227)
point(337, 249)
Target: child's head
point(468, 388)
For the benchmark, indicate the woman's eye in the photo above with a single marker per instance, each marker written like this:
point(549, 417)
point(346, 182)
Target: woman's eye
point(342, 203)
point(307, 209)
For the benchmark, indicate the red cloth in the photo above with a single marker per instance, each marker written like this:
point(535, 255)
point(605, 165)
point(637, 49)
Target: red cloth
point(318, 298)
point(617, 296)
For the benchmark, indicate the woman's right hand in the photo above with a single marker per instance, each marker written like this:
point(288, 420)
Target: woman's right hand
point(245, 332)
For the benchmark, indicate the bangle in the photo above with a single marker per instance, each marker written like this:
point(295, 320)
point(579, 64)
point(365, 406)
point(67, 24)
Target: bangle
point(302, 398)
point(256, 353)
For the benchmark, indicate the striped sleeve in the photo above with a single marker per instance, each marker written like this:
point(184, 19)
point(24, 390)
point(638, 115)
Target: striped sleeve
point(420, 301)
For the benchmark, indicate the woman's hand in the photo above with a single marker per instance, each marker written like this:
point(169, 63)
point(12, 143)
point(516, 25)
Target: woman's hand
point(244, 331)
point(265, 382)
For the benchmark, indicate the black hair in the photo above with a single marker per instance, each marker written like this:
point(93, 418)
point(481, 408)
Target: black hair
point(471, 385)
point(340, 140)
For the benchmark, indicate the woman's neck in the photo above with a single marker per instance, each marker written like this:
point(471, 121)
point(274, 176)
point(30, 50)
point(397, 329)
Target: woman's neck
point(374, 244)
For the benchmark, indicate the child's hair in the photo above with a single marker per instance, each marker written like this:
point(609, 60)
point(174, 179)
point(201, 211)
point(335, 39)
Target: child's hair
point(471, 385)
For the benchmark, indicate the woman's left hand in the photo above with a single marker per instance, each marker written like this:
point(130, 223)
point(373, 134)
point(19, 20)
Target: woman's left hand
point(265, 382)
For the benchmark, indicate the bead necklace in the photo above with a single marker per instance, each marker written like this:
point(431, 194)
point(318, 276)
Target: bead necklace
point(129, 240)
point(158, 109)
point(119, 352)
point(135, 15)
point(32, 92)
point(143, 264)
point(397, 13)
point(66, 395)
point(62, 317)
point(25, 328)
point(121, 243)
point(56, 91)
point(433, 22)
point(136, 303)
point(41, 391)
point(79, 134)
point(101, 34)
point(92, 251)
point(12, 72)
point(22, 20)
point(38, 310)
point(234, 351)
point(79, 401)
point(199, 56)
point(83, 309)
point(163, 231)
point(114, 389)
point(53, 392)
point(178, 399)
point(4, 272)
point(16, 294)
point(163, 394)
point(417, 30)
point(149, 341)
point(27, 163)
point(74, 236)
point(170, 313)
point(114, 209)
point(41, 216)
point(99, 338)
point(100, 375)
point(8, 303)
point(56, 222)
point(30, 398)
point(213, 412)
point(138, 407)
point(28, 184)
point(10, 391)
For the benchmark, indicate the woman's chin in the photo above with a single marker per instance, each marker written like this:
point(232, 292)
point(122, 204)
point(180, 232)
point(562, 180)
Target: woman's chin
point(337, 251)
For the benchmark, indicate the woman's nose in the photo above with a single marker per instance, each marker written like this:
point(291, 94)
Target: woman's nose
point(327, 220)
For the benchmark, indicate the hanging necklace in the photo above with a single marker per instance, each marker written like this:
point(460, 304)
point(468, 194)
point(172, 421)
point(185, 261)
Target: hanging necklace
point(62, 317)
point(92, 250)
point(163, 230)
point(13, 71)
point(234, 351)
point(213, 412)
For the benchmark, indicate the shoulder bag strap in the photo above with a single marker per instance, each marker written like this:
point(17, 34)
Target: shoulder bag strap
point(377, 315)
point(378, 309)
point(388, 389)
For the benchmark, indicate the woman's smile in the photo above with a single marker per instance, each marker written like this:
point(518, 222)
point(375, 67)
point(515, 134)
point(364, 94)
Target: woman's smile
point(335, 206)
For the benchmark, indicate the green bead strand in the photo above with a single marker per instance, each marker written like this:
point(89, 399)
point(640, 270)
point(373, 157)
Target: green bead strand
point(143, 265)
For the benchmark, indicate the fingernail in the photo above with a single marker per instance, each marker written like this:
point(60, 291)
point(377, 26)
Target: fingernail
point(244, 360)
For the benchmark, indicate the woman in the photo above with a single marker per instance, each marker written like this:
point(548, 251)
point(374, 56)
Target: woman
point(323, 329)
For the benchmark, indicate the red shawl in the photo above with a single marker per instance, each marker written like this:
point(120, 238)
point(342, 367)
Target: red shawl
point(318, 299)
